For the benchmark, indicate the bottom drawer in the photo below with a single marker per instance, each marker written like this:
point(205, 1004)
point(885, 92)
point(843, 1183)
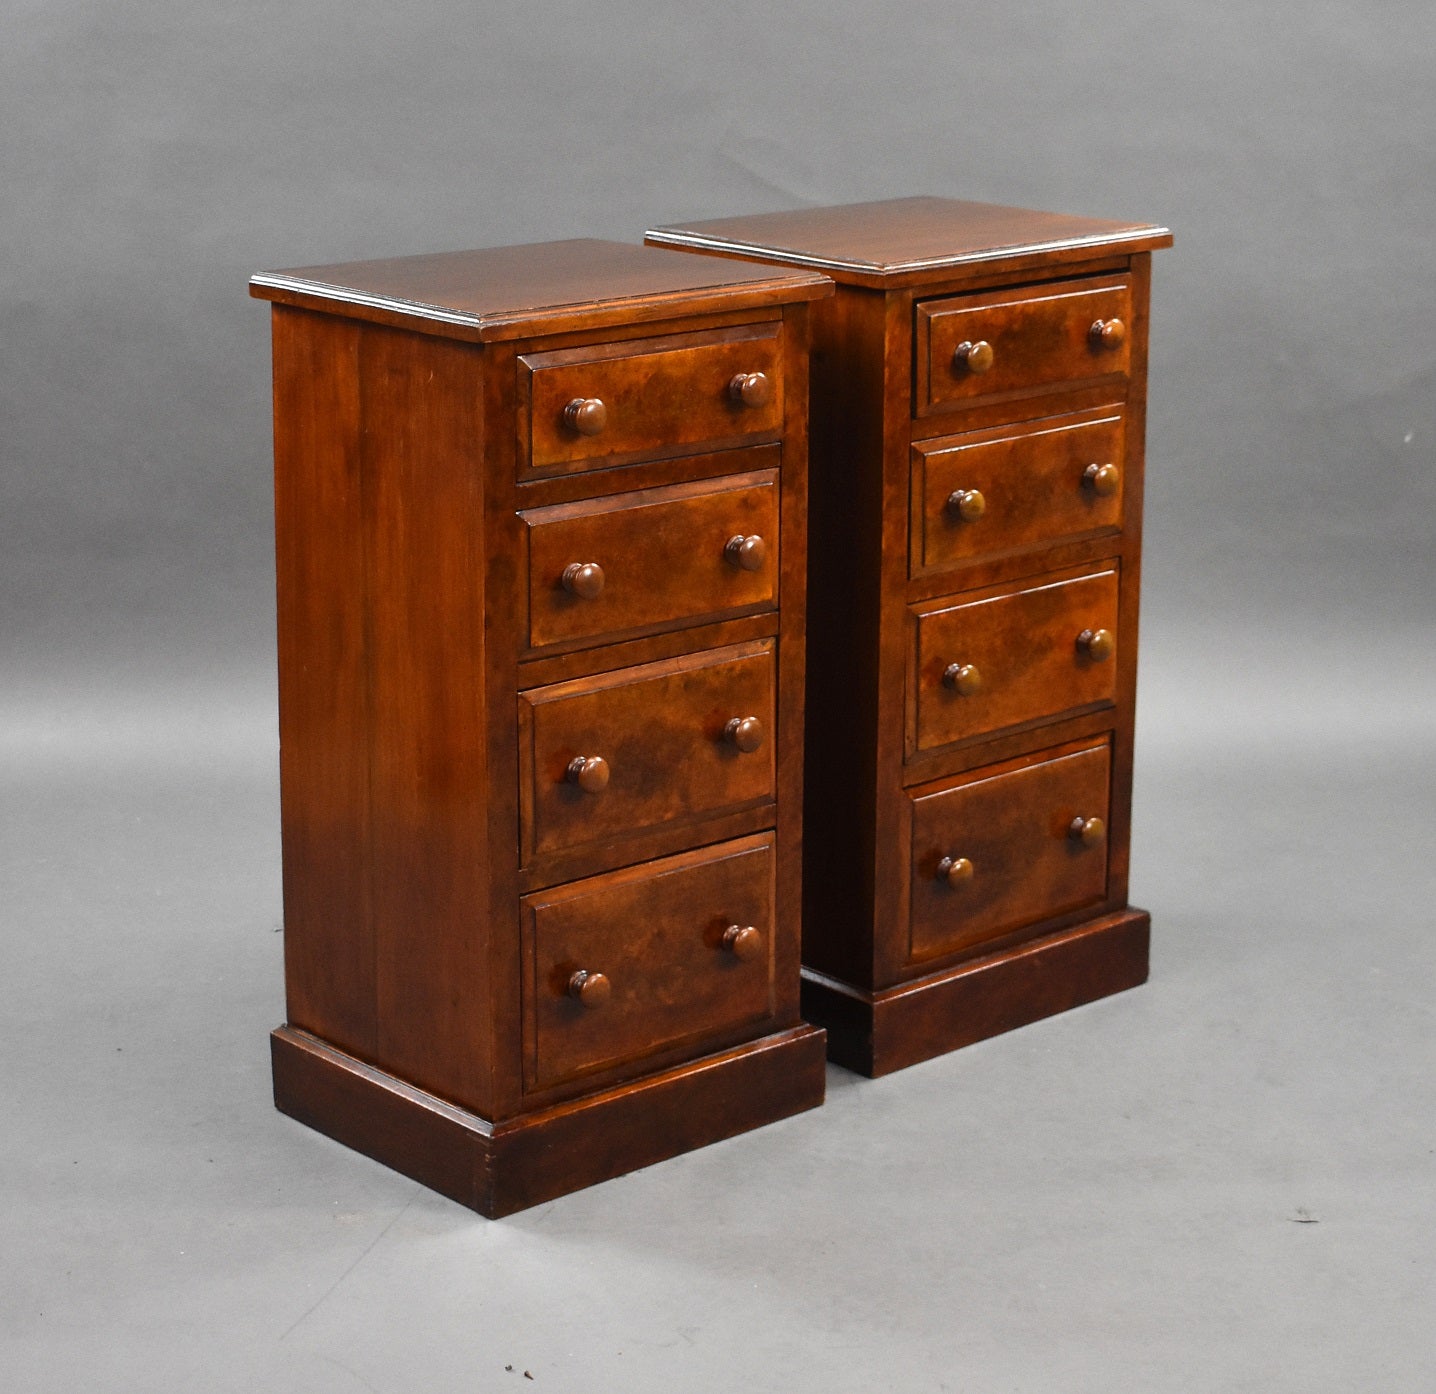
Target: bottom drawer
point(1008, 845)
point(623, 965)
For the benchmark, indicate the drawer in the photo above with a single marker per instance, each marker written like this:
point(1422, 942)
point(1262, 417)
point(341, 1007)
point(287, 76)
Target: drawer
point(652, 560)
point(667, 742)
point(1009, 658)
point(1018, 342)
point(608, 404)
point(1007, 846)
point(634, 962)
point(1004, 490)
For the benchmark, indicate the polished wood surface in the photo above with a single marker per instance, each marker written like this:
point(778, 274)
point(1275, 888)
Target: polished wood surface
point(663, 554)
point(594, 406)
point(901, 242)
point(656, 933)
point(979, 391)
point(495, 294)
point(1011, 825)
point(523, 708)
point(1034, 338)
point(1038, 482)
point(661, 732)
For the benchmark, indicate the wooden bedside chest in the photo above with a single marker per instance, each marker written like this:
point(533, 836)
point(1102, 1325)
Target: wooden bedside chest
point(978, 409)
point(541, 554)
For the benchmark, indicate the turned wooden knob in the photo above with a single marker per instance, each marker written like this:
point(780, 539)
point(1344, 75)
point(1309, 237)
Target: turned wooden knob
point(1104, 480)
point(743, 941)
point(954, 870)
point(1088, 831)
point(752, 389)
point(746, 732)
point(583, 579)
point(1108, 333)
point(963, 679)
point(972, 357)
point(589, 772)
point(746, 553)
point(591, 989)
point(586, 415)
point(967, 504)
point(1098, 644)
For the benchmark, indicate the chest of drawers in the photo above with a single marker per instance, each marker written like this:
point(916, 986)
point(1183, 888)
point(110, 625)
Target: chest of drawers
point(978, 415)
point(540, 518)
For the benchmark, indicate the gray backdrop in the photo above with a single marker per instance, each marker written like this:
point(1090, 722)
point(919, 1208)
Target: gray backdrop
point(1223, 1182)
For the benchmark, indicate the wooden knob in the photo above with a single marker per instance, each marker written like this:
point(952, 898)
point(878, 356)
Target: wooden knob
point(1103, 480)
point(752, 389)
point(743, 941)
point(591, 989)
point(1088, 831)
point(967, 504)
point(586, 415)
point(746, 553)
point(583, 579)
point(746, 732)
point(963, 679)
point(972, 357)
point(1098, 644)
point(954, 870)
point(589, 772)
point(1108, 333)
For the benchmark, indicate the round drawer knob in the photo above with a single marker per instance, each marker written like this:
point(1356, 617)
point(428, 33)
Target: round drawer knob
point(590, 989)
point(963, 679)
point(966, 504)
point(583, 579)
point(589, 772)
point(1108, 333)
point(746, 732)
point(954, 870)
point(1103, 480)
point(1088, 831)
point(1098, 644)
point(746, 553)
point(973, 357)
point(743, 941)
point(586, 415)
point(752, 389)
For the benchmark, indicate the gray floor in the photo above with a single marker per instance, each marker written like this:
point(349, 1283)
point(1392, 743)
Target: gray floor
point(1222, 1181)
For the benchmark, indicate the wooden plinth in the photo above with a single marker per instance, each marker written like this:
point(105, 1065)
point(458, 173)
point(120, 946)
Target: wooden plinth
point(497, 1169)
point(876, 1033)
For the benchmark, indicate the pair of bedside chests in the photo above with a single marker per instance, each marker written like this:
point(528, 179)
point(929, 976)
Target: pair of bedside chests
point(691, 666)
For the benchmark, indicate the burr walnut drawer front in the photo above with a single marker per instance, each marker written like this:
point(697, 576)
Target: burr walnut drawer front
point(1007, 846)
point(1016, 487)
point(651, 560)
point(1020, 342)
point(633, 962)
point(1012, 657)
point(664, 743)
point(608, 404)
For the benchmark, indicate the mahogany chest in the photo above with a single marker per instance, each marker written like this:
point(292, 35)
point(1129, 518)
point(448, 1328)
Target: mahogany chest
point(541, 554)
point(978, 416)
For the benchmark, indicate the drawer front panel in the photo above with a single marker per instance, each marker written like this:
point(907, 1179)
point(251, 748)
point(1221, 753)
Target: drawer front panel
point(600, 405)
point(987, 664)
point(1017, 487)
point(1008, 846)
point(656, 934)
point(652, 560)
point(676, 740)
point(1036, 338)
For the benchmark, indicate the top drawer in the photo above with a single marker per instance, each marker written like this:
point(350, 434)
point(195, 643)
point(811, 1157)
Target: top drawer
point(611, 404)
point(1020, 342)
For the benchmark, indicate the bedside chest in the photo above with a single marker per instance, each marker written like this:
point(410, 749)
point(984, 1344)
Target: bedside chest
point(541, 553)
point(978, 411)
